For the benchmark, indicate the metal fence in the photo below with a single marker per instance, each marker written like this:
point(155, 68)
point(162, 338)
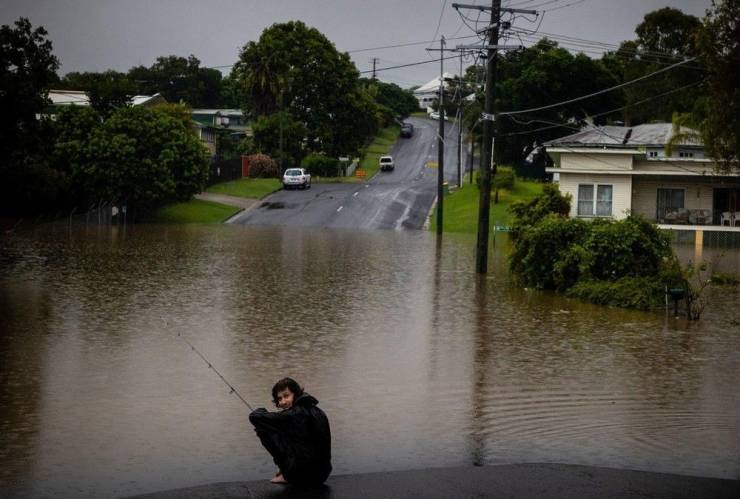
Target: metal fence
point(720, 249)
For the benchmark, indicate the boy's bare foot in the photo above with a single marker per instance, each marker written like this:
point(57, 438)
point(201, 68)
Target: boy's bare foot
point(279, 479)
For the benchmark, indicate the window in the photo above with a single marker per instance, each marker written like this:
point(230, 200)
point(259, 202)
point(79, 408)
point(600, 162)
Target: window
point(653, 154)
point(604, 201)
point(685, 154)
point(599, 205)
point(670, 201)
point(585, 200)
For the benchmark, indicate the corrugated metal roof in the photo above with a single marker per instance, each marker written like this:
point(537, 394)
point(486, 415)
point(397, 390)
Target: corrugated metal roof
point(69, 97)
point(230, 112)
point(653, 134)
point(433, 85)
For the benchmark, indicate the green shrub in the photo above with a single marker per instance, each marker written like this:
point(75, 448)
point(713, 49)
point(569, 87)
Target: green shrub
point(504, 179)
point(626, 263)
point(542, 248)
point(643, 293)
point(528, 213)
point(263, 166)
point(629, 247)
point(321, 165)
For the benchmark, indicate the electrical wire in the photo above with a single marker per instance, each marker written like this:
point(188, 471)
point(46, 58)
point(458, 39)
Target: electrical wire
point(583, 97)
point(411, 64)
point(604, 113)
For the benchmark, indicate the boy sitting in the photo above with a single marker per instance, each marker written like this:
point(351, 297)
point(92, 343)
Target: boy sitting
point(297, 437)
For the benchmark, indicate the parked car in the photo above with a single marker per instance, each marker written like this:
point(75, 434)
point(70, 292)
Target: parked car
point(407, 130)
point(296, 177)
point(386, 163)
point(434, 115)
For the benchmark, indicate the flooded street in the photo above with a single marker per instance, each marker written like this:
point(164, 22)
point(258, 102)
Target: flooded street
point(417, 361)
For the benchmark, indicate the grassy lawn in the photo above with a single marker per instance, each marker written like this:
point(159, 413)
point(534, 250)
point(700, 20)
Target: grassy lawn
point(247, 187)
point(461, 207)
point(195, 211)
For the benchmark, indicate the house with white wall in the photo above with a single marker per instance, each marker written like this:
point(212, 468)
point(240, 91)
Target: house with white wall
point(429, 92)
point(612, 171)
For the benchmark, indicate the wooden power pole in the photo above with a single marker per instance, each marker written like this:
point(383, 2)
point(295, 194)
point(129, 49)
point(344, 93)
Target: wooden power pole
point(488, 117)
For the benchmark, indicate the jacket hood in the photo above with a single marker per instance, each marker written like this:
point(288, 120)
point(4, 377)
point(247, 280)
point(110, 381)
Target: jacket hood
point(306, 400)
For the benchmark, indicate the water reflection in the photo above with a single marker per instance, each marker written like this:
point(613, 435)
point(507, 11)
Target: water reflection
point(417, 361)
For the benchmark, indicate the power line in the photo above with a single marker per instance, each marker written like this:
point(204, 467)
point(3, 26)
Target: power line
point(564, 6)
point(604, 113)
point(409, 44)
point(583, 97)
point(411, 64)
point(439, 21)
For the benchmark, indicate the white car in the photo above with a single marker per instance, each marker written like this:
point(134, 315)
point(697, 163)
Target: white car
point(434, 115)
point(296, 177)
point(386, 163)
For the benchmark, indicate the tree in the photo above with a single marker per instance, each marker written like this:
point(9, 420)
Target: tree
point(73, 127)
point(504, 179)
point(665, 36)
point(138, 156)
point(27, 69)
point(267, 132)
point(107, 91)
point(180, 79)
point(401, 102)
point(297, 69)
point(719, 50)
point(538, 76)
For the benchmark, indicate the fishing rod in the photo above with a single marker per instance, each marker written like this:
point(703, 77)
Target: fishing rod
point(210, 366)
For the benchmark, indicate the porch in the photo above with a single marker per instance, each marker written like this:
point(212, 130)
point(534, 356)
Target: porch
point(688, 203)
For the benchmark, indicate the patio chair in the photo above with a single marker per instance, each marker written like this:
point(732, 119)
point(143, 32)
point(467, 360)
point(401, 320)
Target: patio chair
point(682, 216)
point(726, 218)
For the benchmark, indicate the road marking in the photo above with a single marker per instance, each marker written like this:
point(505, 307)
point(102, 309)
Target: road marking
point(367, 185)
point(339, 209)
point(356, 193)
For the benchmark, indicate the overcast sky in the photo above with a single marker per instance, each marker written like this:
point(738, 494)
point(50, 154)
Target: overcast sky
point(95, 35)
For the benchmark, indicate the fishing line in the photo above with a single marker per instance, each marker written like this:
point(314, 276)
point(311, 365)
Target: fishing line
point(210, 366)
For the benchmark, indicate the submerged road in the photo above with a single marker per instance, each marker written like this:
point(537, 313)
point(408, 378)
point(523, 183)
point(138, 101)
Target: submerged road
point(400, 199)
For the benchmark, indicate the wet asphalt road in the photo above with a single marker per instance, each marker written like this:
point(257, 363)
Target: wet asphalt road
point(551, 481)
point(400, 199)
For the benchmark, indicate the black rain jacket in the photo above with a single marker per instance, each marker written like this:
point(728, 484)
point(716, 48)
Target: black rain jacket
point(300, 437)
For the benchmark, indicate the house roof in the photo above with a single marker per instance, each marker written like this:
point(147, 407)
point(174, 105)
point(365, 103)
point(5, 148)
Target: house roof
point(148, 100)
point(80, 98)
point(653, 134)
point(229, 112)
point(433, 85)
point(68, 97)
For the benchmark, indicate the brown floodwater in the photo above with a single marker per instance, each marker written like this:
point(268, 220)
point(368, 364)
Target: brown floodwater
point(417, 361)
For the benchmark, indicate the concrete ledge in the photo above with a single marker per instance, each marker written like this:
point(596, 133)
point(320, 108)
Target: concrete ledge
point(506, 481)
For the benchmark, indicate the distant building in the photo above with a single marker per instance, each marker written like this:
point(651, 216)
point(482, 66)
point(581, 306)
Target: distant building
point(207, 121)
point(612, 171)
point(429, 92)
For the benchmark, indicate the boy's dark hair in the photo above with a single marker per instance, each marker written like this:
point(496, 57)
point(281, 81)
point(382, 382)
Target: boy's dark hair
point(288, 383)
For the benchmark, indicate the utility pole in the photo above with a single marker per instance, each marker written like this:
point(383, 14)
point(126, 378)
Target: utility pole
point(484, 206)
point(375, 60)
point(460, 106)
point(488, 117)
point(441, 139)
